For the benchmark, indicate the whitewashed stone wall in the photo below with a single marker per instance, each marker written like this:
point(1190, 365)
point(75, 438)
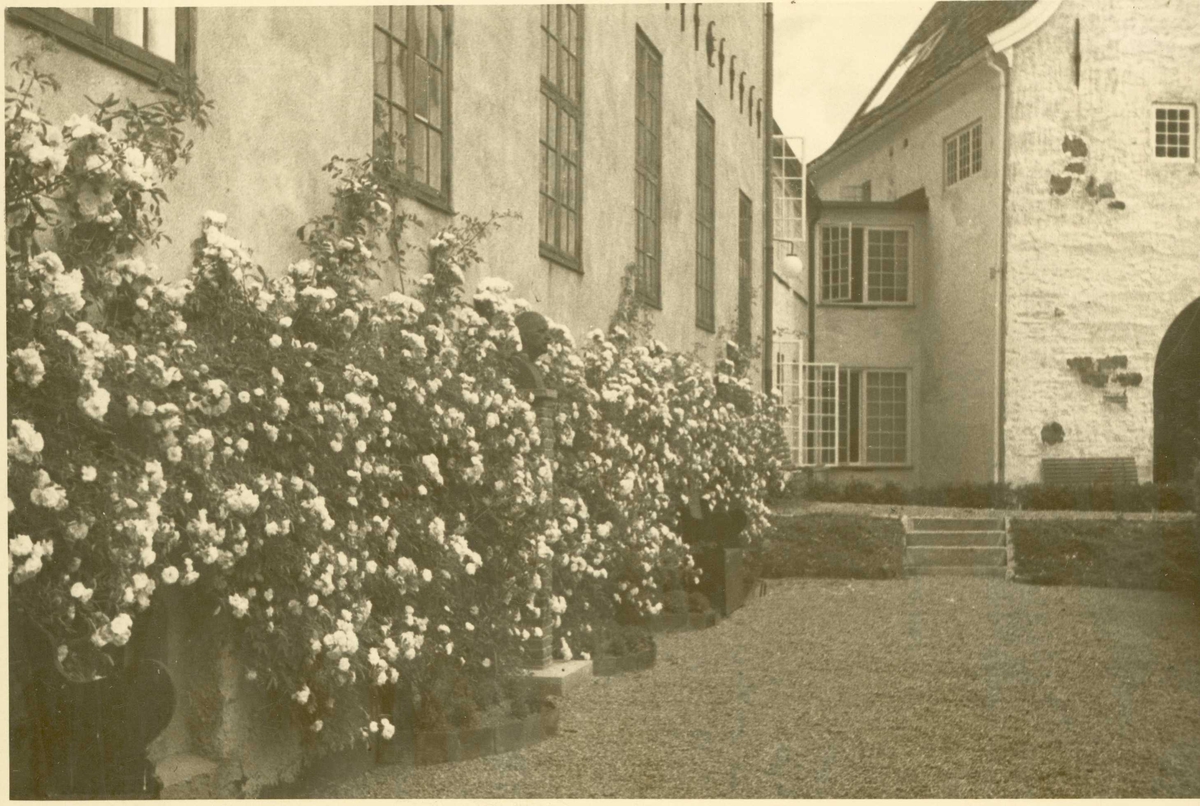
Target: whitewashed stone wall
point(1087, 277)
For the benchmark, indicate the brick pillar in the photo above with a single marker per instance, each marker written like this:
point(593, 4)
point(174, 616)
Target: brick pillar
point(539, 652)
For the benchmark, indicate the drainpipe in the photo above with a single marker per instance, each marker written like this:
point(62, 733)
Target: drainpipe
point(768, 207)
point(999, 63)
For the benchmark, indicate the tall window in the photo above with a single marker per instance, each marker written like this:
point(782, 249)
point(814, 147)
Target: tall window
point(412, 96)
point(562, 134)
point(872, 417)
point(706, 133)
point(887, 278)
point(745, 276)
point(1174, 128)
point(153, 43)
point(648, 169)
point(964, 153)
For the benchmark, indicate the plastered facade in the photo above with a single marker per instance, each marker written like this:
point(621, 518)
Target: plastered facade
point(948, 336)
point(288, 100)
point(1084, 278)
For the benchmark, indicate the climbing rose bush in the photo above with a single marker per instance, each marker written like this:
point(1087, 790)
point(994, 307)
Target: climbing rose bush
point(351, 483)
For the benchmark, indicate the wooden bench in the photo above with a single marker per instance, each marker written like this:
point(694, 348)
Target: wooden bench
point(1116, 470)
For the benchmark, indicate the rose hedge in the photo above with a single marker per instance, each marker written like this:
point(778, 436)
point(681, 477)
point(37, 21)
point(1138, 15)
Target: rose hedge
point(353, 482)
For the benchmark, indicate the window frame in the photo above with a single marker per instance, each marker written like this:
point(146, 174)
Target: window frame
point(706, 222)
point(1192, 131)
point(649, 288)
point(440, 199)
point(98, 40)
point(846, 446)
point(865, 288)
point(554, 95)
point(975, 158)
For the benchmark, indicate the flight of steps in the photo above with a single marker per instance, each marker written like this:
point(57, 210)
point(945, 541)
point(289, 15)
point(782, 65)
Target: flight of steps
point(955, 546)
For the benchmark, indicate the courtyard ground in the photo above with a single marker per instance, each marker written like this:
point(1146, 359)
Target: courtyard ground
point(925, 687)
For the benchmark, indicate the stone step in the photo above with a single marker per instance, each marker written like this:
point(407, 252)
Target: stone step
point(953, 555)
point(956, 524)
point(959, 539)
point(955, 571)
point(559, 678)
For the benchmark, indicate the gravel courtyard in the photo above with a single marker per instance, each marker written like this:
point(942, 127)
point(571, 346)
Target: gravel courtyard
point(927, 687)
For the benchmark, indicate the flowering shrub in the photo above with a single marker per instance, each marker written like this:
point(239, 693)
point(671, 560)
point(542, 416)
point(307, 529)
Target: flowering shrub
point(354, 481)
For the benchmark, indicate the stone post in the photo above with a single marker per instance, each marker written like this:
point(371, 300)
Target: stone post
point(539, 650)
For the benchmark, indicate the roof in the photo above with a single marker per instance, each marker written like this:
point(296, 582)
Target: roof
point(916, 202)
point(951, 33)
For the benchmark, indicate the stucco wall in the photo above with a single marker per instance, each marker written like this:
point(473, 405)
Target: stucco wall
point(286, 101)
point(955, 316)
point(496, 157)
point(1085, 279)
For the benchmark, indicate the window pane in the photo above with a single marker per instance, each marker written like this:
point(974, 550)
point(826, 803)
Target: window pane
point(418, 20)
point(84, 14)
point(435, 35)
point(380, 50)
point(160, 39)
point(400, 22)
point(951, 161)
point(435, 98)
point(435, 160)
point(420, 87)
point(399, 74)
point(130, 24)
point(420, 158)
point(400, 137)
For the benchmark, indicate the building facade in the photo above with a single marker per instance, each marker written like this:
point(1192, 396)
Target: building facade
point(1043, 306)
point(617, 134)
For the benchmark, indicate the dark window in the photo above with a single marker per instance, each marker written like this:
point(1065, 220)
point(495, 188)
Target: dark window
point(648, 169)
point(872, 417)
point(865, 263)
point(706, 133)
point(412, 95)
point(562, 134)
point(745, 276)
point(156, 44)
point(964, 153)
point(1173, 132)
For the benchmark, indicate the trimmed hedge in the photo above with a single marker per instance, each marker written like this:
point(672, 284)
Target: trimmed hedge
point(1108, 554)
point(836, 546)
point(1148, 497)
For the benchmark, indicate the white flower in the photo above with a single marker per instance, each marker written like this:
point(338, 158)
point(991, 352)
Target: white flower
point(95, 404)
point(170, 575)
point(389, 730)
point(87, 473)
point(430, 461)
point(344, 664)
point(427, 575)
point(241, 500)
point(240, 604)
point(28, 366)
point(27, 444)
point(373, 727)
point(316, 726)
point(276, 340)
point(312, 600)
point(302, 695)
point(48, 494)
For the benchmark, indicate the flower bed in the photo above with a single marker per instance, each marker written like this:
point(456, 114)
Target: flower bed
point(837, 546)
point(353, 486)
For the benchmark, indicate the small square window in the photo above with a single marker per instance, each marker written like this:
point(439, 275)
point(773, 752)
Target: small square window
point(1174, 132)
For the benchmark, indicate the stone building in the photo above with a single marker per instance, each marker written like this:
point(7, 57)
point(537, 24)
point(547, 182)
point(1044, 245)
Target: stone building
point(1007, 252)
point(618, 133)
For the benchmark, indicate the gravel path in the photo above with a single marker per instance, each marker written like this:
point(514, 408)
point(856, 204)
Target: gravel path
point(926, 687)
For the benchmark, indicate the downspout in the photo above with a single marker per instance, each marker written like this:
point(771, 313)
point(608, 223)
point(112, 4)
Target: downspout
point(768, 207)
point(811, 223)
point(999, 63)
